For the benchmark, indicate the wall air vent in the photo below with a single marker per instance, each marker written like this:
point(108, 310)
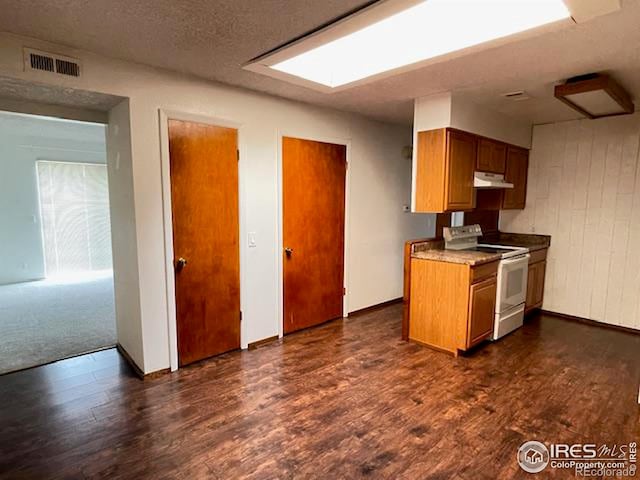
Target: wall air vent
point(41, 62)
point(51, 62)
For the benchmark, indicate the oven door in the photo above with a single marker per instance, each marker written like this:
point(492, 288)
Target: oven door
point(512, 282)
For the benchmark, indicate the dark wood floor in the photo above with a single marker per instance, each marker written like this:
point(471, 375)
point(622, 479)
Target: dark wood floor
point(345, 400)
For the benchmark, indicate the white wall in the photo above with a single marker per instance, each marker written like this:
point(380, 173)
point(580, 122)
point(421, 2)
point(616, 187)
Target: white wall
point(478, 119)
point(123, 233)
point(584, 191)
point(26, 139)
point(54, 111)
point(379, 185)
point(451, 110)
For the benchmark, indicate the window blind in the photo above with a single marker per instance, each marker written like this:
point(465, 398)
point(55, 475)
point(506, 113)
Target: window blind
point(74, 206)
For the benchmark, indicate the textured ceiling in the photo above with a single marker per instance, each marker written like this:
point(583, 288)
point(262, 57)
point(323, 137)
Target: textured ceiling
point(214, 38)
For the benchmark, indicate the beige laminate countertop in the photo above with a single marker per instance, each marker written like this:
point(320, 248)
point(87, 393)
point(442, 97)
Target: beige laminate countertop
point(531, 241)
point(457, 256)
point(434, 248)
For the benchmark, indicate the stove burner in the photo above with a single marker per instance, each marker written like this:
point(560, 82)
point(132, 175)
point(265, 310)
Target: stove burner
point(489, 250)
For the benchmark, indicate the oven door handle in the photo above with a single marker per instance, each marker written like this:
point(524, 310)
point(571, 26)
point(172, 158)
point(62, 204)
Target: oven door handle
point(511, 261)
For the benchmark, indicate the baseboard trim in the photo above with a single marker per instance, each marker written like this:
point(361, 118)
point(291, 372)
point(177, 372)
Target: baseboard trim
point(373, 308)
point(588, 321)
point(156, 374)
point(260, 343)
point(138, 371)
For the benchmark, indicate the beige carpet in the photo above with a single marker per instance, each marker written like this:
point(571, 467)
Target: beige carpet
point(48, 320)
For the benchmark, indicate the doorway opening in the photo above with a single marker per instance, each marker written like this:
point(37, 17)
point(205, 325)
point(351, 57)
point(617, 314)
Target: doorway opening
point(56, 284)
point(66, 225)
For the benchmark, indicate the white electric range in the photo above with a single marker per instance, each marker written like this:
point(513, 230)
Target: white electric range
point(512, 275)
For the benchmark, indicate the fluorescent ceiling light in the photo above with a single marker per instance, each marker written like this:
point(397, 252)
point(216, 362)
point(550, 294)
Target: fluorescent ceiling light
point(429, 29)
point(598, 103)
point(595, 95)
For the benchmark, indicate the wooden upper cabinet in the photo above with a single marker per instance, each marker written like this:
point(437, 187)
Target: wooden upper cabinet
point(445, 163)
point(461, 162)
point(492, 156)
point(430, 171)
point(446, 160)
point(516, 173)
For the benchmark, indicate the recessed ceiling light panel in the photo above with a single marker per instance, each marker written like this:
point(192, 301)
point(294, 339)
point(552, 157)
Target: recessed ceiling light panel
point(424, 30)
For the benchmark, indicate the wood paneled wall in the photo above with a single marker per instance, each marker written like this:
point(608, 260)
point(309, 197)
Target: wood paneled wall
point(584, 191)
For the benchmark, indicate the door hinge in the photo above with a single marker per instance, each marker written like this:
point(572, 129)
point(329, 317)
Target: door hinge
point(240, 315)
point(344, 291)
point(238, 154)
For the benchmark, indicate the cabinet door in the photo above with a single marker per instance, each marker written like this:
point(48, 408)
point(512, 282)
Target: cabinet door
point(492, 156)
point(461, 162)
point(538, 294)
point(531, 286)
point(516, 173)
point(482, 304)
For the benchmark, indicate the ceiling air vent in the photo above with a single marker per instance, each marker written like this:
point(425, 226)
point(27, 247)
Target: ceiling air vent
point(518, 96)
point(51, 62)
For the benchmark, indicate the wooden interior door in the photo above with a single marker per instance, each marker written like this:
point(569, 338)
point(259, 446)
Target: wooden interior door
point(313, 203)
point(204, 198)
point(461, 164)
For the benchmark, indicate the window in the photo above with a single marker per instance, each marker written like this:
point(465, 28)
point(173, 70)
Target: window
point(74, 206)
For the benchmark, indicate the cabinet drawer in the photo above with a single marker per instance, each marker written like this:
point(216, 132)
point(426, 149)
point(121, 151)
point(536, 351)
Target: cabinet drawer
point(484, 271)
point(537, 256)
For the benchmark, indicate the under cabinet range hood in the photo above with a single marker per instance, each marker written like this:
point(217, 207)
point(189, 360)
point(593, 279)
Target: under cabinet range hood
point(490, 180)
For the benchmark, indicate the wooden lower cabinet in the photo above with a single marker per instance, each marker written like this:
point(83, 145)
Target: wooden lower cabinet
point(452, 305)
point(535, 280)
point(482, 307)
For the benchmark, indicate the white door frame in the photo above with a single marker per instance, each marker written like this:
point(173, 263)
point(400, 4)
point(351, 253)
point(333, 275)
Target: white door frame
point(165, 115)
point(280, 230)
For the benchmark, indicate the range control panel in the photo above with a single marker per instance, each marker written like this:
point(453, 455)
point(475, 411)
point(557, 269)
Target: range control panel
point(459, 238)
point(459, 233)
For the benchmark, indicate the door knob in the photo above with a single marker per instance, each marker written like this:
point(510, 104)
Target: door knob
point(181, 263)
point(288, 251)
